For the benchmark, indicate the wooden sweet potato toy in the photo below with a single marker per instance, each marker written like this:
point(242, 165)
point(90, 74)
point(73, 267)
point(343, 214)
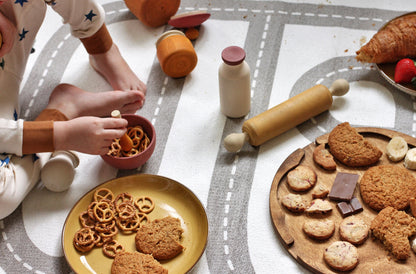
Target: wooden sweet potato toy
point(153, 13)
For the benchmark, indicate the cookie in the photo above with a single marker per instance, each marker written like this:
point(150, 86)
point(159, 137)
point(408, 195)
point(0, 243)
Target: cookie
point(161, 238)
point(341, 255)
point(319, 206)
point(353, 229)
point(393, 228)
point(294, 202)
point(324, 158)
point(351, 148)
point(301, 178)
point(319, 229)
point(387, 185)
point(136, 262)
point(320, 191)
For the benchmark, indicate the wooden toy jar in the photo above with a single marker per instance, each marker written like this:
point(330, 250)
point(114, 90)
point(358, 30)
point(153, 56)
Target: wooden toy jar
point(153, 13)
point(176, 54)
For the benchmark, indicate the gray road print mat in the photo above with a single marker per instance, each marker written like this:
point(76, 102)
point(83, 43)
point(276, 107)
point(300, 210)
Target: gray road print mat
point(233, 187)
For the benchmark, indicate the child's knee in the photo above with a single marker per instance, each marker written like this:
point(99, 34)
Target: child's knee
point(7, 206)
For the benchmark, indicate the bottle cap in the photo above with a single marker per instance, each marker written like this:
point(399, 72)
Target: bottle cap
point(233, 55)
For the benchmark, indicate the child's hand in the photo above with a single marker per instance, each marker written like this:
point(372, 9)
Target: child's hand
point(90, 135)
point(8, 32)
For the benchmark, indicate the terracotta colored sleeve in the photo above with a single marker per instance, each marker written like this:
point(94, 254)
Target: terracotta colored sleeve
point(38, 134)
point(100, 42)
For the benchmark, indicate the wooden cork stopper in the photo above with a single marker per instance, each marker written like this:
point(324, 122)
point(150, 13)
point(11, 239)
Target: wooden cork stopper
point(176, 54)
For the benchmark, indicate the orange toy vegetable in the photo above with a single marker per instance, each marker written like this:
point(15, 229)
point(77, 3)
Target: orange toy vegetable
point(153, 13)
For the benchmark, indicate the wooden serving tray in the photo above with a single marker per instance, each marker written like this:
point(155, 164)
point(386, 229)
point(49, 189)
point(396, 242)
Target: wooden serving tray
point(373, 257)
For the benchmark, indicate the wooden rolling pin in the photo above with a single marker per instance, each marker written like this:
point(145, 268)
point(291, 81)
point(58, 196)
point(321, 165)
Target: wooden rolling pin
point(286, 115)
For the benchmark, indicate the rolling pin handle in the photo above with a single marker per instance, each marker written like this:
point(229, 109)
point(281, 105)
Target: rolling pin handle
point(235, 141)
point(339, 87)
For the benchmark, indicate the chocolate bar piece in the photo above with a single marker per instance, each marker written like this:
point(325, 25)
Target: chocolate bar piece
point(345, 209)
point(343, 187)
point(356, 205)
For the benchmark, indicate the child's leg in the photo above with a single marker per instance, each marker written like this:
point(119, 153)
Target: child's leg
point(74, 102)
point(112, 66)
point(23, 174)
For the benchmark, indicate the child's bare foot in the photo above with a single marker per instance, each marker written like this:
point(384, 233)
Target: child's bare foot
point(112, 66)
point(75, 102)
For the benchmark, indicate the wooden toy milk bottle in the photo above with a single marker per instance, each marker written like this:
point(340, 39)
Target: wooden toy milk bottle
point(234, 83)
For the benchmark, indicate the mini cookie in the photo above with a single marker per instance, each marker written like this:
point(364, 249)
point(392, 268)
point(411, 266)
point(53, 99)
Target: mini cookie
point(387, 185)
point(354, 230)
point(351, 148)
point(393, 228)
point(320, 191)
point(322, 157)
point(301, 178)
point(294, 202)
point(319, 229)
point(161, 238)
point(136, 262)
point(319, 206)
point(341, 255)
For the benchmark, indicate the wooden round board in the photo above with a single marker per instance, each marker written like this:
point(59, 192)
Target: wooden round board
point(373, 257)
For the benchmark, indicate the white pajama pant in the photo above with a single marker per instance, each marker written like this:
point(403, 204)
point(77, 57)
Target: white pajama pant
point(17, 179)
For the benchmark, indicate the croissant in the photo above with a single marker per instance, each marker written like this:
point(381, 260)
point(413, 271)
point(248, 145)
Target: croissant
point(394, 41)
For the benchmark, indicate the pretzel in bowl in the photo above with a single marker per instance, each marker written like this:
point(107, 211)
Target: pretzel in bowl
point(139, 139)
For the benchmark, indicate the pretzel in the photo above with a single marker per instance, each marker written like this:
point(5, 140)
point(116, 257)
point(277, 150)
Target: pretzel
point(103, 212)
point(130, 153)
point(115, 148)
point(84, 239)
point(144, 143)
point(144, 204)
point(103, 193)
point(110, 233)
point(111, 248)
point(126, 211)
point(140, 142)
point(121, 198)
point(104, 227)
point(136, 134)
point(86, 220)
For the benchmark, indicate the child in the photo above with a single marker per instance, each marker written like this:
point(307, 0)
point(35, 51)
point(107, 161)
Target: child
point(71, 120)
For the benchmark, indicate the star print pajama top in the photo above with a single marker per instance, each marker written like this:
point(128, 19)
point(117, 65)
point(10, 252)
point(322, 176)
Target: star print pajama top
point(19, 170)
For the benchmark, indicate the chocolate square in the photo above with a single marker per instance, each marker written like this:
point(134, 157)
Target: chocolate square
point(345, 209)
point(343, 186)
point(356, 205)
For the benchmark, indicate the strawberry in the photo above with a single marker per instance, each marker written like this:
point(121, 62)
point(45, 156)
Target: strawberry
point(405, 70)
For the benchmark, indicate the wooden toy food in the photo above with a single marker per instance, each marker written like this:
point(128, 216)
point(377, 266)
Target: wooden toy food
point(189, 19)
point(126, 142)
point(286, 115)
point(153, 13)
point(176, 54)
point(395, 40)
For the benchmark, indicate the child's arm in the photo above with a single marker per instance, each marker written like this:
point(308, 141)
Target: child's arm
point(8, 34)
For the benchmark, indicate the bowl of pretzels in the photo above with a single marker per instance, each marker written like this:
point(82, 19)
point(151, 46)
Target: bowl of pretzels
point(135, 147)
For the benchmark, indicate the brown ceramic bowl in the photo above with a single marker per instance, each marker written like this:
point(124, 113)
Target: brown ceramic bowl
point(141, 158)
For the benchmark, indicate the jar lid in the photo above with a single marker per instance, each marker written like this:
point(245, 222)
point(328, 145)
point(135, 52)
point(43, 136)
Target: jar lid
point(168, 33)
point(233, 55)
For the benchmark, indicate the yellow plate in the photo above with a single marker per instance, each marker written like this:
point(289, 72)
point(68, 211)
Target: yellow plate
point(170, 197)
